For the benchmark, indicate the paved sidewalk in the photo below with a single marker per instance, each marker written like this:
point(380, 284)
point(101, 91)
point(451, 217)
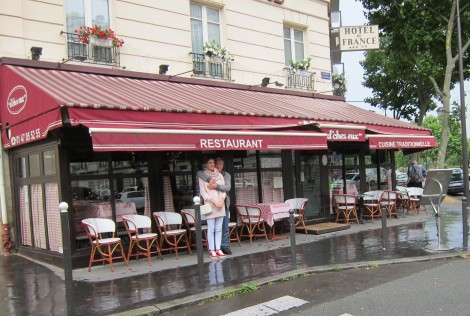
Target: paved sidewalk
point(33, 288)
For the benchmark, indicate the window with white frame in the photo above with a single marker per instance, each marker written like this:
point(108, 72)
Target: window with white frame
point(86, 12)
point(205, 26)
point(293, 44)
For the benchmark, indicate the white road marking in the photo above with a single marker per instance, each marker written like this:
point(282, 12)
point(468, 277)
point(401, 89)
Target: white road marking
point(270, 307)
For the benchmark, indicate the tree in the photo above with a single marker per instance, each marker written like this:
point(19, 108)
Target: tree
point(425, 33)
point(408, 94)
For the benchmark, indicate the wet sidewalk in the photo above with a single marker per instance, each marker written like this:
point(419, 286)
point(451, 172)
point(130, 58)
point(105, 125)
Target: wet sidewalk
point(31, 288)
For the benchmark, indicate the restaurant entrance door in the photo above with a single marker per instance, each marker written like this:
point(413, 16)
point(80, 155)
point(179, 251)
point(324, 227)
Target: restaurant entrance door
point(309, 183)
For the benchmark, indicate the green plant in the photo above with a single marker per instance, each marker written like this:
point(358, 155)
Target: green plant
point(246, 288)
point(372, 265)
point(338, 268)
point(304, 64)
point(215, 49)
point(339, 85)
point(84, 33)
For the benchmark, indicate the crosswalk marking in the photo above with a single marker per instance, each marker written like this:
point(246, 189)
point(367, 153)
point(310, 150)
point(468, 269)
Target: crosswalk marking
point(270, 307)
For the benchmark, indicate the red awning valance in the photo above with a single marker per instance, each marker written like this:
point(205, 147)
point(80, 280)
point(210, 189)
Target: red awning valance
point(343, 132)
point(140, 139)
point(401, 141)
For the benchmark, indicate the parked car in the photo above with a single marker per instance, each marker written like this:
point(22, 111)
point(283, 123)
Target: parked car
point(456, 182)
point(137, 197)
point(243, 183)
point(103, 194)
point(402, 179)
point(129, 189)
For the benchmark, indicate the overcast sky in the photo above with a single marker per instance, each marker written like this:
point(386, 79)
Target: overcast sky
point(352, 15)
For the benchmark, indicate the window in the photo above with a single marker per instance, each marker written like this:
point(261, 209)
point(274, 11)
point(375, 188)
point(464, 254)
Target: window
point(86, 12)
point(205, 26)
point(293, 44)
point(90, 13)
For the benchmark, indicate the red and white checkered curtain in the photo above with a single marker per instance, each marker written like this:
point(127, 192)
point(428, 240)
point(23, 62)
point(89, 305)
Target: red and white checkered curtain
point(24, 215)
point(39, 225)
point(272, 193)
point(168, 194)
point(54, 230)
point(145, 183)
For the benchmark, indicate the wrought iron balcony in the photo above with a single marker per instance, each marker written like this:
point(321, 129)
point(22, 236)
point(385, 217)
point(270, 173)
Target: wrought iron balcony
point(211, 67)
point(299, 79)
point(97, 51)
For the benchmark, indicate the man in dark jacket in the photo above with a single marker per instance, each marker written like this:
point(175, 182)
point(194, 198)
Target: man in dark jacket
point(416, 175)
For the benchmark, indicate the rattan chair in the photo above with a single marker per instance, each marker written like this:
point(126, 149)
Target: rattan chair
point(97, 230)
point(172, 235)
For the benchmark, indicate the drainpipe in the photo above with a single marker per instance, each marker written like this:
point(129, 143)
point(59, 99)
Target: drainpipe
point(6, 237)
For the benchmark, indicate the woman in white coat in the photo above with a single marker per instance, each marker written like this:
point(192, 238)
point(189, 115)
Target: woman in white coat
point(216, 199)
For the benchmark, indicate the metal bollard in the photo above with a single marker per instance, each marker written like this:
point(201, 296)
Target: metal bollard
point(292, 237)
point(384, 229)
point(199, 250)
point(64, 220)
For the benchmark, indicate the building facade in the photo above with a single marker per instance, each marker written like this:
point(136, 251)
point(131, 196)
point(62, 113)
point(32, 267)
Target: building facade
point(88, 114)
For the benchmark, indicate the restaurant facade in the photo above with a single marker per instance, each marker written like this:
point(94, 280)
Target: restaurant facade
point(77, 126)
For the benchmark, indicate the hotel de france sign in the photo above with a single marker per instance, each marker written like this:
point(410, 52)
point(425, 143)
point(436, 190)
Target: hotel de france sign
point(364, 37)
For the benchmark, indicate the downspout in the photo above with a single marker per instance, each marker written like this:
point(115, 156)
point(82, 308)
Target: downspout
point(6, 236)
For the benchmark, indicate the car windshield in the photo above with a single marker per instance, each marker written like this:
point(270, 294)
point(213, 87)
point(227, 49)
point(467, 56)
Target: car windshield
point(456, 177)
point(350, 176)
point(402, 176)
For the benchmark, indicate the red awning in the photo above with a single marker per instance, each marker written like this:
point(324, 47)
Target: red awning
point(39, 99)
point(141, 139)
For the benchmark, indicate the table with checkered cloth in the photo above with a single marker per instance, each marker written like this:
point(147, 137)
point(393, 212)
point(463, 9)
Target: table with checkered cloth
point(271, 212)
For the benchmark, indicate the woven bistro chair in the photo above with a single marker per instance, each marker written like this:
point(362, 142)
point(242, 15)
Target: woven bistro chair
point(251, 221)
point(190, 223)
point(172, 235)
point(141, 238)
point(346, 205)
point(97, 230)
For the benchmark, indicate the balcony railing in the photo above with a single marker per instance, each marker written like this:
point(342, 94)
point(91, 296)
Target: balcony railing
point(300, 79)
point(211, 67)
point(98, 52)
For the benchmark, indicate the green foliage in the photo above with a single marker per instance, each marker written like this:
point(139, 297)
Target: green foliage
point(304, 64)
point(339, 85)
point(245, 289)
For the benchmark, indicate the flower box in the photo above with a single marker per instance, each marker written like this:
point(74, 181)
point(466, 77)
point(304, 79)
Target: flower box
point(103, 42)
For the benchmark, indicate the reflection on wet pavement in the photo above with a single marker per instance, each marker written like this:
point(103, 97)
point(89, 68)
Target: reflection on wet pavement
point(33, 289)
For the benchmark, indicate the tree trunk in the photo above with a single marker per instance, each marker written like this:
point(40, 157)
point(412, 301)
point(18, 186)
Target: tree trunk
point(445, 132)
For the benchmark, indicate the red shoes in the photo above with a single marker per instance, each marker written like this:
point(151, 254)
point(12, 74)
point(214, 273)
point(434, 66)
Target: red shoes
point(214, 254)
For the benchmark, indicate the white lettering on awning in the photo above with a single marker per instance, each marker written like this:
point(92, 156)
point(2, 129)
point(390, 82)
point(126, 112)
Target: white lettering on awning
point(227, 143)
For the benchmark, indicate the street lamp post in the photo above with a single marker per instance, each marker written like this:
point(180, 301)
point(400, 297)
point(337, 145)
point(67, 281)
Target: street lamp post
point(464, 136)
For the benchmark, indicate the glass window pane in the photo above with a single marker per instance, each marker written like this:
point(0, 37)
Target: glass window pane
point(89, 168)
point(197, 39)
point(299, 51)
point(287, 51)
point(298, 36)
point(21, 167)
point(49, 162)
point(271, 159)
point(196, 11)
point(246, 187)
point(213, 32)
point(100, 13)
point(34, 166)
point(286, 32)
point(212, 15)
point(273, 191)
point(74, 14)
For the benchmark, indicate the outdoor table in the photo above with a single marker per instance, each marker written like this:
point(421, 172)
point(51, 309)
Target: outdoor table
point(272, 212)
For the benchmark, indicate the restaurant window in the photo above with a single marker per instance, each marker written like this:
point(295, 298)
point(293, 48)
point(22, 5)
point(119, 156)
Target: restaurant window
point(271, 176)
point(37, 198)
point(335, 175)
point(49, 160)
point(293, 45)
point(246, 177)
point(177, 181)
point(377, 163)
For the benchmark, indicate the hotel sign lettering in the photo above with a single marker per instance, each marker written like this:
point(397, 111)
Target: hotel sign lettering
point(364, 37)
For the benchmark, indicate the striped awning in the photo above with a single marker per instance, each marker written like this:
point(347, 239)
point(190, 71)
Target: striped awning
point(37, 100)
